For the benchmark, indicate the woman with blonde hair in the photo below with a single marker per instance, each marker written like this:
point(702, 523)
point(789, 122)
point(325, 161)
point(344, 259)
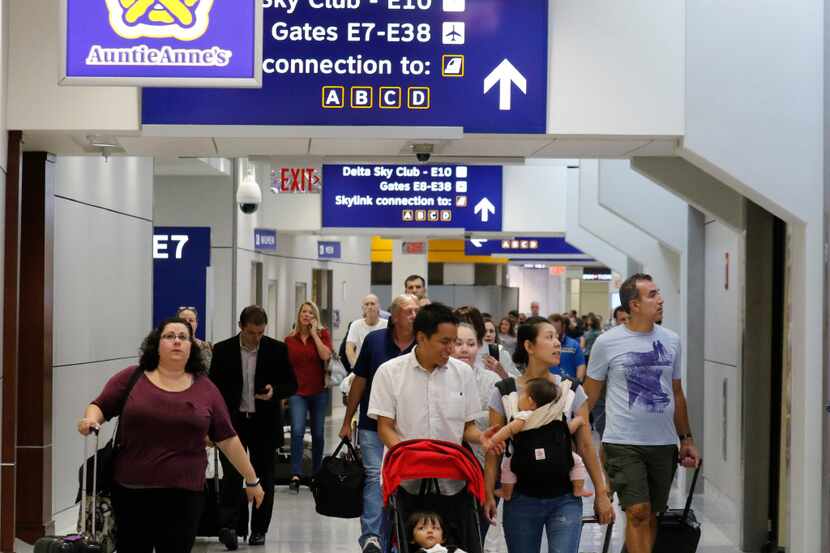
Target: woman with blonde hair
point(309, 350)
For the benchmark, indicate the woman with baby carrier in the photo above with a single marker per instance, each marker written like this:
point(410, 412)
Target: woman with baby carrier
point(541, 452)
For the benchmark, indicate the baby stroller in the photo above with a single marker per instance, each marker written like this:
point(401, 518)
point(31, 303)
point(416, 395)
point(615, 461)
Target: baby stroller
point(427, 461)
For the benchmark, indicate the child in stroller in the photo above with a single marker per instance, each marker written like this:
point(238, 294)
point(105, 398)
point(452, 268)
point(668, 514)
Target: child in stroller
point(429, 461)
point(426, 531)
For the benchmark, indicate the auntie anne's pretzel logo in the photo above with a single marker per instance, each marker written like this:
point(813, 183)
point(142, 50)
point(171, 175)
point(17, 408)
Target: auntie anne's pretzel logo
point(180, 19)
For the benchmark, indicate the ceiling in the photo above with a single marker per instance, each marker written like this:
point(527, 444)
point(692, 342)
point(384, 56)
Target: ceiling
point(355, 143)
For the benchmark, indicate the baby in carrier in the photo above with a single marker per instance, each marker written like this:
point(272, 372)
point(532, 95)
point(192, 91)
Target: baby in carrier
point(539, 403)
point(426, 531)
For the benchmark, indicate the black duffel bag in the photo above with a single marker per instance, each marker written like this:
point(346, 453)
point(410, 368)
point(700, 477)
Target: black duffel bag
point(338, 485)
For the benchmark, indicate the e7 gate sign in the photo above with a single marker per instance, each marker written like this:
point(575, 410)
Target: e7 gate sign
point(477, 64)
point(181, 256)
point(413, 196)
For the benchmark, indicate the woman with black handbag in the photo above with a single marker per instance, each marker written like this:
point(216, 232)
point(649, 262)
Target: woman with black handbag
point(159, 464)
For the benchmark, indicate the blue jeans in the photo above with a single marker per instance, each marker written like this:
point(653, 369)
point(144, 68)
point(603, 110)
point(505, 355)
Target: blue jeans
point(373, 522)
point(525, 518)
point(300, 406)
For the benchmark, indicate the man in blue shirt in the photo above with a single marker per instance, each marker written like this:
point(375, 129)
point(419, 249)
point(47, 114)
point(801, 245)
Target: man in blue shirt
point(379, 347)
point(572, 360)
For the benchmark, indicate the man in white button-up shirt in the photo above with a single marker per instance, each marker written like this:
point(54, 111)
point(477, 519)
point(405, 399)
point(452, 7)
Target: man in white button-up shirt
point(426, 394)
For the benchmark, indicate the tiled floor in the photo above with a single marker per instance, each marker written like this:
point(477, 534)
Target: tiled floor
point(296, 528)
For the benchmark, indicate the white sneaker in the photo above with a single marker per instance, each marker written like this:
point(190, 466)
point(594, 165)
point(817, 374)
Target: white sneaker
point(372, 545)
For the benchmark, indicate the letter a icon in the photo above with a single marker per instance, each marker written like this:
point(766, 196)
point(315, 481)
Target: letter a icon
point(334, 97)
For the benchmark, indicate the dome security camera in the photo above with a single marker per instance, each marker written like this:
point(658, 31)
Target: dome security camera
point(423, 152)
point(249, 195)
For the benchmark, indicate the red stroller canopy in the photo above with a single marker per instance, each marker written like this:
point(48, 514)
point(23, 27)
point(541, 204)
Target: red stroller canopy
point(418, 459)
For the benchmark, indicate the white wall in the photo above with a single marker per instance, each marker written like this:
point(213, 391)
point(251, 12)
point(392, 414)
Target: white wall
point(589, 243)
point(616, 68)
point(294, 261)
point(535, 198)
point(656, 258)
point(644, 204)
point(35, 100)
point(103, 291)
point(537, 285)
point(722, 367)
point(595, 297)
point(406, 264)
point(754, 116)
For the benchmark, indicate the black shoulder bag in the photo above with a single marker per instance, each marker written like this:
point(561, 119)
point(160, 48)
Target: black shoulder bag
point(106, 455)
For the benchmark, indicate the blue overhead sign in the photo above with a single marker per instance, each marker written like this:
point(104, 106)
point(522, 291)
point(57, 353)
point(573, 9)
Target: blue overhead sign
point(465, 197)
point(328, 250)
point(477, 64)
point(181, 256)
point(550, 247)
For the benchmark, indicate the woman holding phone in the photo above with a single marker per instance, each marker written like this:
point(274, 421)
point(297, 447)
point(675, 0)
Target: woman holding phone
point(309, 350)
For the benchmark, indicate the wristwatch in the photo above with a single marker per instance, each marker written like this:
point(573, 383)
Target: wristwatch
point(684, 436)
point(253, 484)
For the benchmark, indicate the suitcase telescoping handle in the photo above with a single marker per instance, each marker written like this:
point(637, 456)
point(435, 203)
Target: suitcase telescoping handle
point(94, 481)
point(606, 541)
point(688, 506)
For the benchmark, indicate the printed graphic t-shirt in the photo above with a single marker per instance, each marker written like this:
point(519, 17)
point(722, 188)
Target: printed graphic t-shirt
point(638, 369)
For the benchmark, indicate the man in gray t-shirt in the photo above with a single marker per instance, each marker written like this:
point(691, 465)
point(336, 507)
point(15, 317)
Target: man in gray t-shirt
point(639, 365)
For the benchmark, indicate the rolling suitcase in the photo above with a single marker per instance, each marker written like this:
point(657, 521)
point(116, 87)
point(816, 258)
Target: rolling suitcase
point(678, 530)
point(82, 542)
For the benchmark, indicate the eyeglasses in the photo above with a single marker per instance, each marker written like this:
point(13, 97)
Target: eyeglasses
point(171, 337)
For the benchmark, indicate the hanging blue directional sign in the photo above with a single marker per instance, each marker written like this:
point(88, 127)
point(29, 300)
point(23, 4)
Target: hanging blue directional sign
point(413, 196)
point(477, 64)
point(548, 247)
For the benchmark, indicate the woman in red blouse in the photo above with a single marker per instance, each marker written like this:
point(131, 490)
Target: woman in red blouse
point(309, 350)
point(159, 472)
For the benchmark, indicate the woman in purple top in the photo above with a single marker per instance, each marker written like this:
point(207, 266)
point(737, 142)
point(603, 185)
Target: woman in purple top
point(159, 470)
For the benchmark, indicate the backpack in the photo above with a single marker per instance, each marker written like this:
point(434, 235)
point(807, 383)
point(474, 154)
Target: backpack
point(541, 458)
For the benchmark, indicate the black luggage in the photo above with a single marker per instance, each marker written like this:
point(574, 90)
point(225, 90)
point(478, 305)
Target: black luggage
point(338, 485)
point(83, 541)
point(678, 530)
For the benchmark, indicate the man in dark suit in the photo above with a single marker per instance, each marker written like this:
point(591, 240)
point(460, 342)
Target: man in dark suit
point(253, 373)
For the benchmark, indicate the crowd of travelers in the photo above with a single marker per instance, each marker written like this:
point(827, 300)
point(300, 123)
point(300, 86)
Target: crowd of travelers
point(524, 393)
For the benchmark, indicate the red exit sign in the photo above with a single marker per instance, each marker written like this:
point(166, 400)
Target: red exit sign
point(414, 247)
point(295, 180)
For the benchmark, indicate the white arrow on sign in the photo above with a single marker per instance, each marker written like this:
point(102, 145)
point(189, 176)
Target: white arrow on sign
point(485, 207)
point(505, 74)
point(478, 242)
